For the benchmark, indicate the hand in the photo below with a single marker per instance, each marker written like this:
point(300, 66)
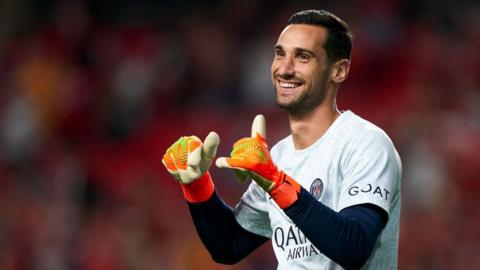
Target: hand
point(251, 157)
point(188, 158)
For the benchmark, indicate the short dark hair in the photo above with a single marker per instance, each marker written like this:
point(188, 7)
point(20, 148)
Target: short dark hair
point(339, 40)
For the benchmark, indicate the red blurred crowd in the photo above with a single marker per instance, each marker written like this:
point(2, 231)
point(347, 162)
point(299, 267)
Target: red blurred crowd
point(88, 107)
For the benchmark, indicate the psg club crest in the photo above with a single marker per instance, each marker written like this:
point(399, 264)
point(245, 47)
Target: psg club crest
point(316, 189)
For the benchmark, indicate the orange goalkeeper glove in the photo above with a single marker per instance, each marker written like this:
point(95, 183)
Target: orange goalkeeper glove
point(251, 158)
point(188, 160)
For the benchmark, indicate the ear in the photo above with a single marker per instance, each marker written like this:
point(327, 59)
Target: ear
point(340, 70)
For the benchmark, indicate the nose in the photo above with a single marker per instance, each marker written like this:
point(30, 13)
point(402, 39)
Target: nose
point(286, 67)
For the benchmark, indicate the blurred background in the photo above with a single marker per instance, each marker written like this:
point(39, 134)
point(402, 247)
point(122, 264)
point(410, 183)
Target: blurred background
point(93, 92)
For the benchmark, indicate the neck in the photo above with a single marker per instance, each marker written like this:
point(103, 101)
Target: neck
point(308, 128)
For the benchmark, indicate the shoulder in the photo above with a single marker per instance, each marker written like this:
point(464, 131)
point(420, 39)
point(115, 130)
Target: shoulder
point(366, 142)
point(360, 132)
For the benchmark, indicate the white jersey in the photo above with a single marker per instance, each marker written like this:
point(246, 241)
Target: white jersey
point(353, 163)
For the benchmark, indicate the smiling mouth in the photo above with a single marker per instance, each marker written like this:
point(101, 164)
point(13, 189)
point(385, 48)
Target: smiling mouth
point(288, 85)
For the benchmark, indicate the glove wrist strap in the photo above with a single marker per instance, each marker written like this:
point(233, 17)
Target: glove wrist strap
point(199, 190)
point(286, 193)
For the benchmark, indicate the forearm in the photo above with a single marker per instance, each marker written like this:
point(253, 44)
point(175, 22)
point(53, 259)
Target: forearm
point(347, 237)
point(223, 237)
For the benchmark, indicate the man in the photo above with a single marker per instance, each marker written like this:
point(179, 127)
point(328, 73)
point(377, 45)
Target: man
point(328, 195)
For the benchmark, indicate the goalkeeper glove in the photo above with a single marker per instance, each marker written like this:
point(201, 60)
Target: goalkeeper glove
point(251, 157)
point(188, 160)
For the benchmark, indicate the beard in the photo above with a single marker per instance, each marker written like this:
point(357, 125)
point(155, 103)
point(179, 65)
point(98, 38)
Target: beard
point(308, 100)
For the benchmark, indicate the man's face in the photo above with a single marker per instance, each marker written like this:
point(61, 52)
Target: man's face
point(299, 69)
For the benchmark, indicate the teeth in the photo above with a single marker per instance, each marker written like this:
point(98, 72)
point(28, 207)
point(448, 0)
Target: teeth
point(287, 85)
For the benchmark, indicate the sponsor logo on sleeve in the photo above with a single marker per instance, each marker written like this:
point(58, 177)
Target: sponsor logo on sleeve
point(371, 189)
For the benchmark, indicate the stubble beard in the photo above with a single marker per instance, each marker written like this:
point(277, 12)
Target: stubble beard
point(308, 100)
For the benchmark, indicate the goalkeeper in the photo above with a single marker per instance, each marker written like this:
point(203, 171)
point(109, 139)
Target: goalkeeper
point(328, 195)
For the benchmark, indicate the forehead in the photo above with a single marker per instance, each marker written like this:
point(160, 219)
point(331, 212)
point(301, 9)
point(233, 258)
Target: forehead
point(311, 37)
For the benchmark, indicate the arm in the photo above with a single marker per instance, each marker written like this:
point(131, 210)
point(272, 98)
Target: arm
point(223, 237)
point(347, 237)
point(188, 160)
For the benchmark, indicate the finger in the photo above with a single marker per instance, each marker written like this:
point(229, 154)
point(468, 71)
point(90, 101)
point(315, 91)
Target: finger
point(259, 127)
point(221, 162)
point(170, 167)
point(210, 145)
point(194, 157)
point(194, 151)
point(167, 162)
point(193, 172)
point(176, 155)
point(184, 176)
point(176, 164)
point(240, 173)
point(230, 163)
point(173, 171)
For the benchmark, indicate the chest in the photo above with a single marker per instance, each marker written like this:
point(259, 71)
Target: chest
point(319, 172)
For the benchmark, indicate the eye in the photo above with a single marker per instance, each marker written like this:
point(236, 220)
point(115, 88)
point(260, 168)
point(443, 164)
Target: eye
point(279, 53)
point(303, 57)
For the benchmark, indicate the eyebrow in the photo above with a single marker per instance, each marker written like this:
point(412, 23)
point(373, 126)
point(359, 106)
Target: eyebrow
point(297, 50)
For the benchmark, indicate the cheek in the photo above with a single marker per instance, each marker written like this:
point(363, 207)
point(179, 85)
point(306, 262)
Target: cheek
point(273, 70)
point(273, 67)
point(316, 76)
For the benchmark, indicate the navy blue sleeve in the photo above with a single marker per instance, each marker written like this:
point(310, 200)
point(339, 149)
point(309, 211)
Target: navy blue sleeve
point(226, 241)
point(347, 237)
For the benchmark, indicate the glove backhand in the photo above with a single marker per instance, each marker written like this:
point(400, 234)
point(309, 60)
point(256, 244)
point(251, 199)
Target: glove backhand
point(188, 158)
point(250, 157)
